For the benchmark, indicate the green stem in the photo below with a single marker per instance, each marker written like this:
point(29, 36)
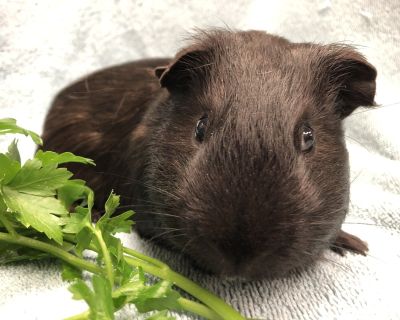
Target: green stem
point(7, 224)
point(186, 304)
point(215, 303)
point(106, 255)
point(199, 309)
point(208, 298)
point(53, 250)
point(143, 257)
point(161, 270)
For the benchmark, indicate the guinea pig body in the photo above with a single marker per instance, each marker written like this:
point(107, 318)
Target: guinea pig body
point(232, 152)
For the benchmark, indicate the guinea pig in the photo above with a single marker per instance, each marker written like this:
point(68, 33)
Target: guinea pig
point(232, 152)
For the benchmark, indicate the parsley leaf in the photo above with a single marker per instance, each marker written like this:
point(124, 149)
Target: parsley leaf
point(36, 211)
point(35, 179)
point(119, 223)
point(8, 168)
point(70, 273)
point(99, 299)
point(158, 297)
point(72, 191)
point(104, 303)
point(10, 126)
point(13, 152)
point(50, 157)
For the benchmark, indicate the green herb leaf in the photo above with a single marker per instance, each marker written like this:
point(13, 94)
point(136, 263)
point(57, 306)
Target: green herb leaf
point(8, 169)
point(71, 192)
point(81, 291)
point(104, 303)
point(99, 300)
point(75, 222)
point(132, 289)
point(90, 200)
point(79, 224)
point(115, 247)
point(10, 126)
point(160, 296)
point(111, 204)
point(34, 179)
point(70, 273)
point(36, 211)
point(84, 238)
point(51, 158)
point(125, 272)
point(13, 152)
point(119, 223)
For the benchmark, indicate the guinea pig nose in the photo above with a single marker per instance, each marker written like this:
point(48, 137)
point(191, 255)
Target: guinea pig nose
point(234, 252)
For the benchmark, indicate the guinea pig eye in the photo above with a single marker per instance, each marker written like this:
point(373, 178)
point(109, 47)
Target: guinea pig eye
point(200, 130)
point(307, 140)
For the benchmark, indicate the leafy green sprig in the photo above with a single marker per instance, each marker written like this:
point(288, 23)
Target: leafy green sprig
point(36, 222)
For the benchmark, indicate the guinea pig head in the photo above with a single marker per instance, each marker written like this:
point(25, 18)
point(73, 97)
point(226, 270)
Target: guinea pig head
point(249, 150)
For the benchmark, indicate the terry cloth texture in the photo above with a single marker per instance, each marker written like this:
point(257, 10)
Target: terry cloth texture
point(44, 45)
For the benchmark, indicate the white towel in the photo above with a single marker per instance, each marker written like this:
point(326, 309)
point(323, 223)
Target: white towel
point(46, 44)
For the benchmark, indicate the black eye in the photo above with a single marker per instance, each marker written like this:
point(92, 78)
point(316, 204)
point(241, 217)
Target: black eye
point(200, 130)
point(307, 139)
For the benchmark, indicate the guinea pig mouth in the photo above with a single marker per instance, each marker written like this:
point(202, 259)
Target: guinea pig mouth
point(277, 263)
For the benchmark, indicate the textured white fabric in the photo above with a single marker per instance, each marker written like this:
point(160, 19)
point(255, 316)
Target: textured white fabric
point(46, 44)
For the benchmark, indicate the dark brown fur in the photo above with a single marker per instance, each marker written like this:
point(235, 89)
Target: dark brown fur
point(246, 201)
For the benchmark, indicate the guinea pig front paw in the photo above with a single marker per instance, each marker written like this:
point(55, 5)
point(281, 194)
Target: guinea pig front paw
point(346, 241)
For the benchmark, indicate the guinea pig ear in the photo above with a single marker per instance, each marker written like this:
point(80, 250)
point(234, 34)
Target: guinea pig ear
point(187, 70)
point(353, 78)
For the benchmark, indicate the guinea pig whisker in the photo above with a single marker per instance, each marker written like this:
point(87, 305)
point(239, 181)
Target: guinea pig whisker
point(147, 219)
point(187, 244)
point(365, 224)
point(125, 207)
point(140, 207)
point(145, 207)
point(308, 253)
point(159, 190)
point(169, 237)
point(356, 177)
point(113, 174)
point(164, 233)
point(169, 228)
point(151, 202)
point(165, 215)
point(131, 180)
point(338, 264)
point(358, 142)
point(324, 258)
point(375, 108)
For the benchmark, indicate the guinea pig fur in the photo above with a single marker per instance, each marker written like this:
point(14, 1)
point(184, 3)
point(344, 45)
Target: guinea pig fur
point(232, 152)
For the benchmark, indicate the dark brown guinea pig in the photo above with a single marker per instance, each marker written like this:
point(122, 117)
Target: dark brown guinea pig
point(232, 152)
